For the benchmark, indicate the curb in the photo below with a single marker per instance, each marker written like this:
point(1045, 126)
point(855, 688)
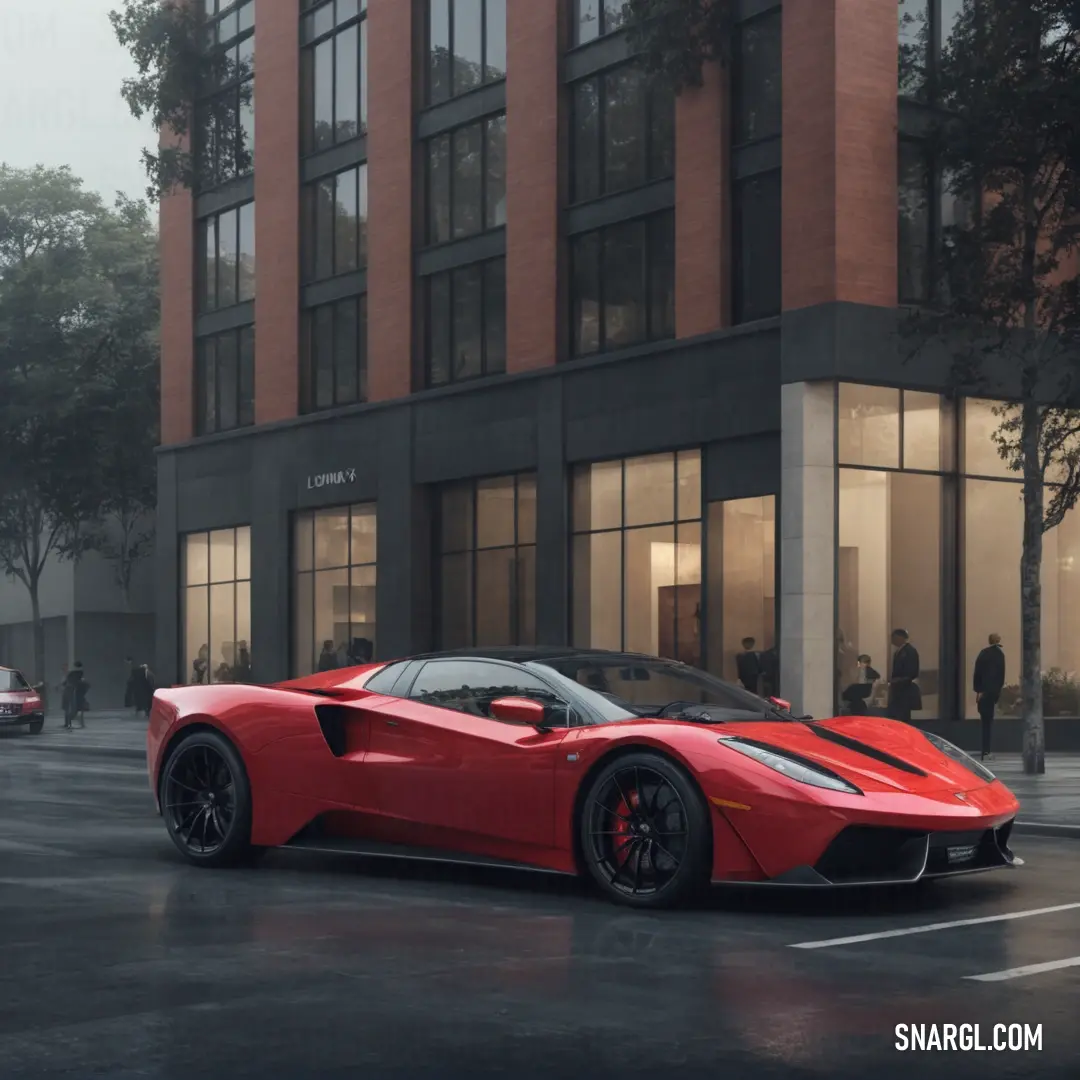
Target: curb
point(126, 752)
point(1045, 828)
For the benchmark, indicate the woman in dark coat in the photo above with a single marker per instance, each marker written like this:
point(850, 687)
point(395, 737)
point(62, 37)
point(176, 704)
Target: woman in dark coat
point(142, 689)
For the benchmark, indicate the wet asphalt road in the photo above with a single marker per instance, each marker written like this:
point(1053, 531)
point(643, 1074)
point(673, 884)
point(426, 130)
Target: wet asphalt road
point(118, 960)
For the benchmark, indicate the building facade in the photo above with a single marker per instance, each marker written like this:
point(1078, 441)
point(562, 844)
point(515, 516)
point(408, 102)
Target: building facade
point(499, 343)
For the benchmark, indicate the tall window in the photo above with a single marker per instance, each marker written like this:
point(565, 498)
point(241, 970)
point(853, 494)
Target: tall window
point(225, 116)
point(333, 73)
point(466, 180)
point(487, 562)
point(333, 354)
point(892, 447)
point(992, 524)
point(595, 18)
point(225, 381)
point(636, 557)
point(623, 284)
point(756, 78)
point(925, 27)
point(466, 46)
point(226, 258)
point(466, 322)
point(333, 227)
point(741, 565)
point(334, 588)
point(623, 131)
point(756, 246)
point(217, 606)
point(914, 240)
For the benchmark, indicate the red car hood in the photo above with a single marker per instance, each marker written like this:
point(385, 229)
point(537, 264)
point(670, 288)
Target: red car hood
point(864, 756)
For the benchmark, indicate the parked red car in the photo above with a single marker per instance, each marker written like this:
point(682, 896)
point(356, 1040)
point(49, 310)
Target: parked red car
point(650, 776)
point(20, 703)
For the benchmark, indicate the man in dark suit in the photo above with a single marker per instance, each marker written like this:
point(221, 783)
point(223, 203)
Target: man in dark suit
point(748, 666)
point(904, 694)
point(988, 683)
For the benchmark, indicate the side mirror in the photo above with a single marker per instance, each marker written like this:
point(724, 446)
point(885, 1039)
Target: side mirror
point(520, 710)
point(780, 703)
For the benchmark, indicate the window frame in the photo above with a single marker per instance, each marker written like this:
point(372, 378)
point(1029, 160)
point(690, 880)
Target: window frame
point(772, 17)
point(646, 135)
point(245, 405)
point(427, 284)
point(740, 306)
point(234, 87)
point(483, 123)
point(647, 222)
point(309, 221)
point(471, 552)
point(452, 95)
point(308, 45)
point(210, 225)
point(602, 30)
point(309, 358)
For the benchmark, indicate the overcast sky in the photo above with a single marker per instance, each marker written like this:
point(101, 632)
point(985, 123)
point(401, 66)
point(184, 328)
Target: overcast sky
point(60, 75)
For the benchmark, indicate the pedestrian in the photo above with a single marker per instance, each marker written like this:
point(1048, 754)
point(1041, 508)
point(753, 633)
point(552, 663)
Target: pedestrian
point(988, 682)
point(770, 672)
point(67, 695)
point(748, 665)
point(142, 689)
point(74, 697)
point(905, 697)
point(200, 666)
point(328, 660)
point(858, 693)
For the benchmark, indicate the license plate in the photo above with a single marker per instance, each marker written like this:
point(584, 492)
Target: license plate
point(961, 854)
point(10, 710)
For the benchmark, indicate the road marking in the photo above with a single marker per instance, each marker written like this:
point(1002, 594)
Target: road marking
point(1027, 969)
point(855, 939)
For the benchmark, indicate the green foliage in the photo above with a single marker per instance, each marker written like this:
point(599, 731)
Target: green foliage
point(677, 38)
point(176, 65)
point(1060, 693)
point(78, 368)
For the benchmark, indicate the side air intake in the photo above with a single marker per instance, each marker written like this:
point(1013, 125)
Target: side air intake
point(332, 724)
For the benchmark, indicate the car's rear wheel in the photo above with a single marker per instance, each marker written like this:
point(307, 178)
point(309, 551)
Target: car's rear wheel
point(36, 726)
point(645, 832)
point(206, 801)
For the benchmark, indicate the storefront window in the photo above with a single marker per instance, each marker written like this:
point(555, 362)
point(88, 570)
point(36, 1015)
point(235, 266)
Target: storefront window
point(869, 418)
point(637, 555)
point(742, 588)
point(334, 588)
point(217, 606)
point(487, 562)
point(889, 576)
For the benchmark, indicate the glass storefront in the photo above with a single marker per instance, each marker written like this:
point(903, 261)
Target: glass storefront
point(487, 562)
point(334, 588)
point(640, 564)
point(929, 535)
point(216, 605)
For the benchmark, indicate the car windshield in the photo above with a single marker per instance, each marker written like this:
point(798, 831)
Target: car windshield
point(623, 687)
point(12, 680)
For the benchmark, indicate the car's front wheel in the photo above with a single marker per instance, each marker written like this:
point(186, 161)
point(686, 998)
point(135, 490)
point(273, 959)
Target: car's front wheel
point(645, 835)
point(206, 801)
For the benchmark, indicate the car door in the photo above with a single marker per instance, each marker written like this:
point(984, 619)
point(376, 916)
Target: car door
point(436, 758)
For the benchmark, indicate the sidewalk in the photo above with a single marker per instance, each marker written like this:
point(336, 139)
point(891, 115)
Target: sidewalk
point(114, 734)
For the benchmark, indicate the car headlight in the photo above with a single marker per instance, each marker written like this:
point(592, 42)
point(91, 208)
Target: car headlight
point(964, 758)
point(790, 765)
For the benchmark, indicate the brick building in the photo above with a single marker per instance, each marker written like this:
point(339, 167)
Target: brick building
point(499, 343)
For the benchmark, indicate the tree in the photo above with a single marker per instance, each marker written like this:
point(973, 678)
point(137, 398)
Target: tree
point(677, 38)
point(1007, 309)
point(177, 66)
point(78, 310)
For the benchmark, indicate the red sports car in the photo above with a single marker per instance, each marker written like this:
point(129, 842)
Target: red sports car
point(650, 776)
point(20, 703)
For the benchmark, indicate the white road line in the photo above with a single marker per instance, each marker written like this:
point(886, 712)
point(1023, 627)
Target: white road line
point(855, 939)
point(1027, 969)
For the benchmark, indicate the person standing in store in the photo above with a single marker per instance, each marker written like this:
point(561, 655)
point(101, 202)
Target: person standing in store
point(328, 658)
point(905, 697)
point(988, 682)
point(748, 666)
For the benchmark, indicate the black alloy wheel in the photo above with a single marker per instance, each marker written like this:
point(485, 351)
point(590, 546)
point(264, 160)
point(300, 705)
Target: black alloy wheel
point(206, 801)
point(645, 833)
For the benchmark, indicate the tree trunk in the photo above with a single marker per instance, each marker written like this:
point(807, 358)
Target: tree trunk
point(39, 632)
point(1034, 747)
